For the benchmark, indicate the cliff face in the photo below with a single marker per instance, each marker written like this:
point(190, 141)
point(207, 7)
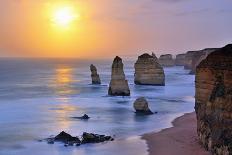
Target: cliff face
point(198, 57)
point(180, 60)
point(189, 58)
point(148, 71)
point(94, 75)
point(214, 101)
point(118, 84)
point(166, 60)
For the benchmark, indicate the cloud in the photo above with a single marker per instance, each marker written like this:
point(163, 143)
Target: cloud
point(193, 12)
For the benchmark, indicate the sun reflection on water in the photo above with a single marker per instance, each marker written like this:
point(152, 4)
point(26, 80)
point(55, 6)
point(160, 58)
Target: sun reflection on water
point(64, 82)
point(63, 85)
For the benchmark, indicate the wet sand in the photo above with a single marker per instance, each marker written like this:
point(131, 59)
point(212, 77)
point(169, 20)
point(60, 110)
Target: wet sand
point(181, 139)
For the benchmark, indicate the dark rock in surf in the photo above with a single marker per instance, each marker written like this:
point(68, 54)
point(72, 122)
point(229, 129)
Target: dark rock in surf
point(141, 106)
point(84, 117)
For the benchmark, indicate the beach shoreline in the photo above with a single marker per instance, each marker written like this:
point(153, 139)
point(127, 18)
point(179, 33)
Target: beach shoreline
point(181, 139)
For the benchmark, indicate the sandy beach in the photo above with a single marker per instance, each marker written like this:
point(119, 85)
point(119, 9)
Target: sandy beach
point(181, 139)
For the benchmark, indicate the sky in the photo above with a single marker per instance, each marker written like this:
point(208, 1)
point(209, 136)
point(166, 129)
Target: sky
point(105, 28)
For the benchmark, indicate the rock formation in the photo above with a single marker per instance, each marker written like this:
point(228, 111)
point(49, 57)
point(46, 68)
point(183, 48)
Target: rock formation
point(166, 60)
point(141, 106)
point(154, 56)
point(180, 60)
point(69, 140)
point(95, 77)
point(193, 58)
point(118, 84)
point(198, 57)
point(148, 71)
point(188, 59)
point(214, 101)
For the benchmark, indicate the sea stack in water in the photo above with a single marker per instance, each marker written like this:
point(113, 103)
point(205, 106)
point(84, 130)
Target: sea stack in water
point(148, 71)
point(141, 106)
point(180, 60)
point(166, 60)
point(95, 77)
point(118, 84)
point(214, 101)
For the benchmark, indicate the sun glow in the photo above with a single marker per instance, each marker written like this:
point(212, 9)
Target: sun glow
point(64, 16)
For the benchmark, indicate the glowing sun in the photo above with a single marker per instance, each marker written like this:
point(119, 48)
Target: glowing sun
point(64, 16)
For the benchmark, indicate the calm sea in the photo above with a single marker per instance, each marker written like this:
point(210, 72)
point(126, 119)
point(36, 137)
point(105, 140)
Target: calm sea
point(38, 97)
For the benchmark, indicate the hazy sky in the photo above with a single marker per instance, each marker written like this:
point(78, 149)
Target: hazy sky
point(114, 27)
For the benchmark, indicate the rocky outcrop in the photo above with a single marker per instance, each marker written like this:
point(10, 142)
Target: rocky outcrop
point(193, 58)
point(180, 60)
point(198, 57)
point(69, 140)
point(84, 117)
point(94, 75)
point(118, 84)
point(214, 101)
point(188, 59)
point(166, 60)
point(154, 56)
point(148, 71)
point(141, 106)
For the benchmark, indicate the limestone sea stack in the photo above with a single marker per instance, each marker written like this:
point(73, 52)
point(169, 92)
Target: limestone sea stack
point(141, 106)
point(166, 60)
point(180, 60)
point(148, 71)
point(118, 84)
point(214, 101)
point(94, 75)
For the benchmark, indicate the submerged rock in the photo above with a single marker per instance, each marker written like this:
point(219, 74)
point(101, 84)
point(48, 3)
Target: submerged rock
point(118, 84)
point(214, 101)
point(66, 138)
point(180, 60)
point(148, 71)
point(94, 75)
point(69, 140)
point(141, 106)
point(85, 116)
point(166, 60)
point(95, 138)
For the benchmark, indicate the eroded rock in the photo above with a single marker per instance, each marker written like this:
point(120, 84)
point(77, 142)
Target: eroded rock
point(180, 60)
point(118, 84)
point(69, 140)
point(214, 101)
point(141, 106)
point(148, 71)
point(95, 138)
point(166, 60)
point(94, 75)
point(193, 58)
point(198, 57)
point(84, 117)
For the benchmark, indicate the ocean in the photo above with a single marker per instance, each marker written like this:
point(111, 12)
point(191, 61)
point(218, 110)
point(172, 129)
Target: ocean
point(39, 97)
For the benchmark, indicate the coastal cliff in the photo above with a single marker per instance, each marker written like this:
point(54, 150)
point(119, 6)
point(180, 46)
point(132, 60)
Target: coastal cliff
point(148, 71)
point(166, 60)
point(189, 58)
point(198, 57)
point(214, 101)
point(118, 84)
